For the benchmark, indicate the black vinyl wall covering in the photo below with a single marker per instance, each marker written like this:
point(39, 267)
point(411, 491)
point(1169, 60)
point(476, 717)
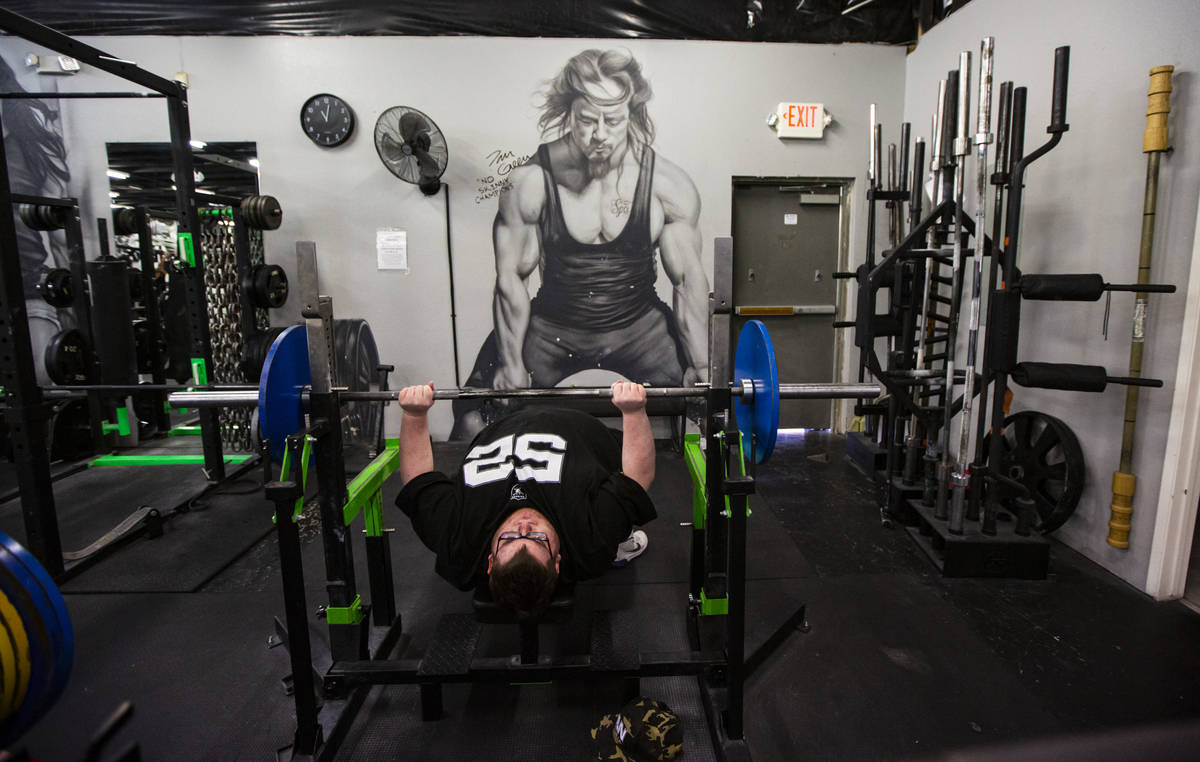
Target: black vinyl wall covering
point(818, 21)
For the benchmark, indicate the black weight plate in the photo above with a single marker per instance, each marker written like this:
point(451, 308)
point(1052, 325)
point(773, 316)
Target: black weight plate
point(1042, 453)
point(55, 217)
point(254, 352)
point(270, 286)
point(248, 211)
point(146, 406)
point(125, 222)
point(43, 216)
point(29, 215)
point(357, 357)
point(56, 287)
point(68, 358)
point(71, 432)
point(272, 213)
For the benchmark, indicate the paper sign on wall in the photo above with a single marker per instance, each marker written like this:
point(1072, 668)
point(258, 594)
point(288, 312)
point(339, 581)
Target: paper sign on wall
point(391, 246)
point(790, 218)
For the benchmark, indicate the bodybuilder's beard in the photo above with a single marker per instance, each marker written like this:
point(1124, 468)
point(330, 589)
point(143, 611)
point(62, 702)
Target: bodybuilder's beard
point(600, 166)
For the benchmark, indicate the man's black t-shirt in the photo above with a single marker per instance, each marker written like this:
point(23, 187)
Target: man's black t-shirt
point(563, 463)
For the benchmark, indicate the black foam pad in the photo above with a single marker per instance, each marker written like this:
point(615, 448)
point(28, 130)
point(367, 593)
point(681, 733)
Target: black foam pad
point(1088, 287)
point(1054, 375)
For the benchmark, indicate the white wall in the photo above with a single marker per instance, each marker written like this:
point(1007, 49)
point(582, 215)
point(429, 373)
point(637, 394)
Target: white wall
point(711, 101)
point(1082, 213)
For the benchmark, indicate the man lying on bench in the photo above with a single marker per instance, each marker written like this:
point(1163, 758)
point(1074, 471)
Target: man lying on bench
point(543, 493)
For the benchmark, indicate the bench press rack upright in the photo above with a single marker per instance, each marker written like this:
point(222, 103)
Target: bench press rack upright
point(363, 636)
point(25, 398)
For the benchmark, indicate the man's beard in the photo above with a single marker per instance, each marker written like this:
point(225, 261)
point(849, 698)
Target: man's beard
point(599, 166)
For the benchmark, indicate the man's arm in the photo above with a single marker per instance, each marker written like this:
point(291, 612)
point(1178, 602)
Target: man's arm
point(416, 451)
point(679, 245)
point(637, 440)
point(514, 236)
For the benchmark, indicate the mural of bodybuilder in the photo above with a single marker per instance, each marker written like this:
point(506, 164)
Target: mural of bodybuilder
point(591, 209)
point(37, 165)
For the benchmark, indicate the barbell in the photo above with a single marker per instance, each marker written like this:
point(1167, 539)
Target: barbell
point(283, 390)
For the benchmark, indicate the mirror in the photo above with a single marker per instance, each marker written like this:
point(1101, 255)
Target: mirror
point(142, 174)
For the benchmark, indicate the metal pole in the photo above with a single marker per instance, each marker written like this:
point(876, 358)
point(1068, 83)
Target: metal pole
point(249, 397)
point(191, 250)
point(961, 143)
point(1007, 268)
point(153, 319)
point(983, 137)
point(284, 495)
point(913, 445)
point(1000, 180)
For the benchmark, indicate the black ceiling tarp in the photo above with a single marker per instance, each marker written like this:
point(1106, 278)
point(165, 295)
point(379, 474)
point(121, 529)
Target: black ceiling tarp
point(819, 21)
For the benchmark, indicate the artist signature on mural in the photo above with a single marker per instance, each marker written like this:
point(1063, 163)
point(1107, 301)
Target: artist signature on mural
point(501, 164)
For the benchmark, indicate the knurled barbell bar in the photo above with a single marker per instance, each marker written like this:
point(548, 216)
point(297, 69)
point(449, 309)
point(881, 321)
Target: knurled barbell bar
point(744, 389)
point(284, 388)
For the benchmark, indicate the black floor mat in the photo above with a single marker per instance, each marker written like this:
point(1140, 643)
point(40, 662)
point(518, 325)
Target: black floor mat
point(205, 686)
point(93, 501)
point(898, 663)
point(9, 489)
point(204, 535)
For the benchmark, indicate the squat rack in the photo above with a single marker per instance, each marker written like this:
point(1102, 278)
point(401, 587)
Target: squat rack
point(26, 408)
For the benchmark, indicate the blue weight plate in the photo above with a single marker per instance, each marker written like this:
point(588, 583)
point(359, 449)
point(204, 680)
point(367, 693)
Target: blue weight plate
point(39, 621)
point(62, 632)
point(755, 360)
point(284, 376)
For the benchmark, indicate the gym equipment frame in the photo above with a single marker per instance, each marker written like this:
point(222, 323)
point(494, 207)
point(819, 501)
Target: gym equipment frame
point(26, 409)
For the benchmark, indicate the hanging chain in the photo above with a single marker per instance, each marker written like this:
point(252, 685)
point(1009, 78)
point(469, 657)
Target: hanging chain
point(225, 328)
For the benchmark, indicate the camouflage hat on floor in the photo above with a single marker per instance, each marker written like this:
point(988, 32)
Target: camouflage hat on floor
point(643, 731)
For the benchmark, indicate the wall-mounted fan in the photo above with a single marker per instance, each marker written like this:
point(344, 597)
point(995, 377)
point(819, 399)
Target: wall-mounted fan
point(412, 147)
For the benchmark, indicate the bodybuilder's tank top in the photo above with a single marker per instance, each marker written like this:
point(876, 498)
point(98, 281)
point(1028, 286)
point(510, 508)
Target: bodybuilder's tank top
point(597, 286)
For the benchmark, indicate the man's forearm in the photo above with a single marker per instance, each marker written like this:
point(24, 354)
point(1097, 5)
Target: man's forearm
point(416, 451)
point(637, 448)
point(511, 308)
point(691, 311)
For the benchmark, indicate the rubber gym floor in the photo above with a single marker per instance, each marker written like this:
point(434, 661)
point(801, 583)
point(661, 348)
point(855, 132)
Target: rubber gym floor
point(898, 662)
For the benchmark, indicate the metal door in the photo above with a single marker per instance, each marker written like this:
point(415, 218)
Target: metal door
point(788, 240)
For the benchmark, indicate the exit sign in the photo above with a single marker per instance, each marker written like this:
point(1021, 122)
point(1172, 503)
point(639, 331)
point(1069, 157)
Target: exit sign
point(801, 120)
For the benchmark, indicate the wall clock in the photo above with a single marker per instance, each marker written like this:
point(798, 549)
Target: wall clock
point(327, 120)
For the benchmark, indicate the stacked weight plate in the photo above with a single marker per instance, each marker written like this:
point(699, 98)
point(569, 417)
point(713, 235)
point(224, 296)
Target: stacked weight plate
point(37, 644)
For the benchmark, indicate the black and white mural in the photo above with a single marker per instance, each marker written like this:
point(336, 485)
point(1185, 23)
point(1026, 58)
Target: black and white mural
point(592, 212)
point(37, 166)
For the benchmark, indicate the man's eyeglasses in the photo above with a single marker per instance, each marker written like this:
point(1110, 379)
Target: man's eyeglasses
point(506, 537)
